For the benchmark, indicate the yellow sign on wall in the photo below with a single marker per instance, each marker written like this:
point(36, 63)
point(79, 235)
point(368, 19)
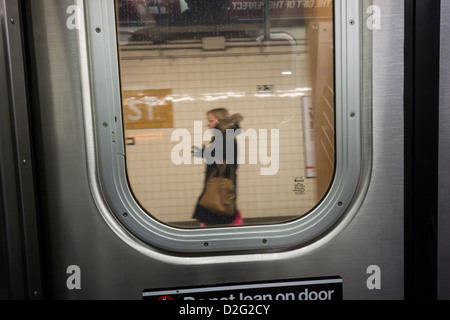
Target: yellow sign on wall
point(147, 109)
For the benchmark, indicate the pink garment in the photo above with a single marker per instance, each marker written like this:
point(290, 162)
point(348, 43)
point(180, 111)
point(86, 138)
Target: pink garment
point(238, 221)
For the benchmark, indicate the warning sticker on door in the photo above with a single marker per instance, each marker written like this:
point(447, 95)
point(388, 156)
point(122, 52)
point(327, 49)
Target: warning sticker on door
point(320, 289)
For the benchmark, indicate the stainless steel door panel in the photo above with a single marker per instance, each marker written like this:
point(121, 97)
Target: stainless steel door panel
point(444, 159)
point(110, 269)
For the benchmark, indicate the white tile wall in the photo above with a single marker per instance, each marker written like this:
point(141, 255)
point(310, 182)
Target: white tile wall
point(198, 83)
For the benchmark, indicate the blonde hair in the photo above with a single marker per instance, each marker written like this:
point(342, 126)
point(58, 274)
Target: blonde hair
point(225, 121)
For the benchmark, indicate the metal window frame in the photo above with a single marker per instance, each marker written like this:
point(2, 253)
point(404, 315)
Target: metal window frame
point(106, 151)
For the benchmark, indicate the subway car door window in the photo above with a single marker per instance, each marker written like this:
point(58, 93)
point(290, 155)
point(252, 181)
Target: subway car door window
point(225, 125)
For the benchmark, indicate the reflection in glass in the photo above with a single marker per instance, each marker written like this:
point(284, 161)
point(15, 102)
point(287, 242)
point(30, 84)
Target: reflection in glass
point(271, 62)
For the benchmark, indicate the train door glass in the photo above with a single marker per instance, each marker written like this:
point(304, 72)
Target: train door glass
point(242, 85)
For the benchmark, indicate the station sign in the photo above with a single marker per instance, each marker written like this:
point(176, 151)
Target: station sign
point(147, 109)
